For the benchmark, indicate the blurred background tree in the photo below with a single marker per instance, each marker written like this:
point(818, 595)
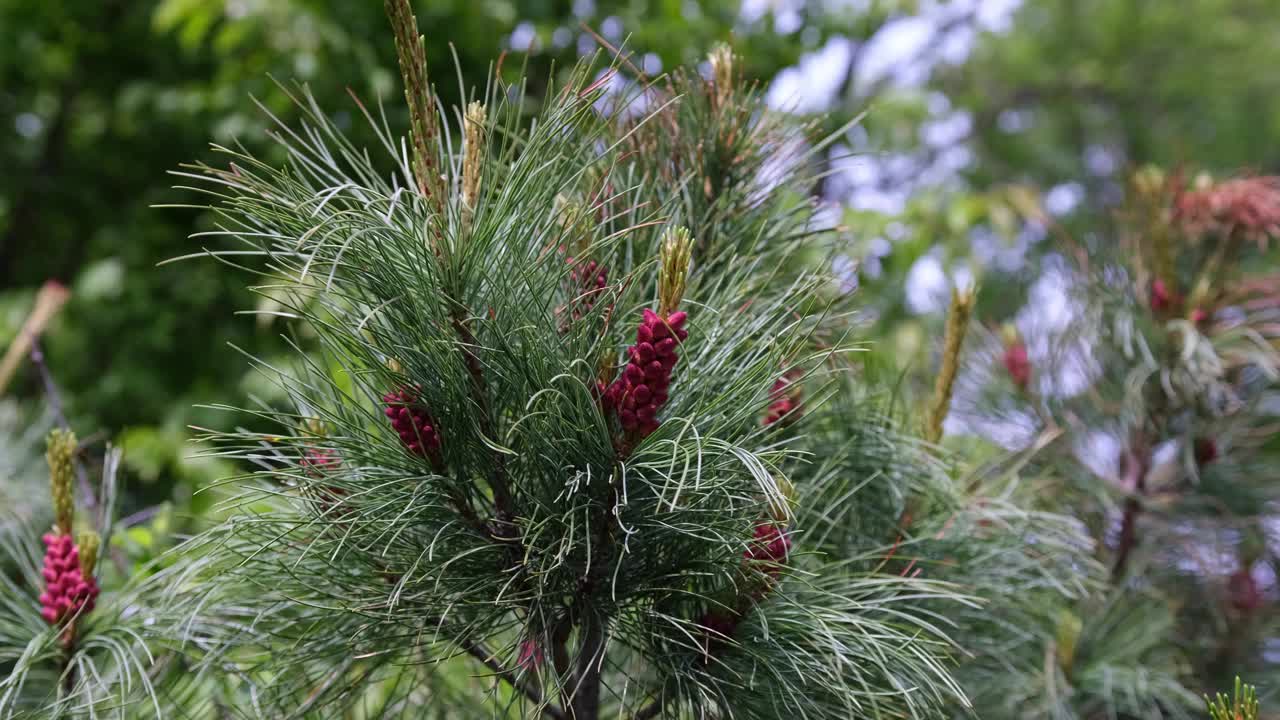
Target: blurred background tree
point(1024, 128)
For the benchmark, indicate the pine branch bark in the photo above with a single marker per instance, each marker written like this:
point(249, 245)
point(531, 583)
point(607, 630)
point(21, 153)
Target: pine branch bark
point(586, 698)
point(1136, 464)
point(503, 500)
point(534, 695)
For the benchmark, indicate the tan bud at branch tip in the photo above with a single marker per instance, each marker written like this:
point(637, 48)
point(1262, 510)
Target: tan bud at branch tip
point(575, 238)
point(88, 543)
point(673, 272)
point(1149, 180)
point(1009, 334)
point(957, 325)
point(475, 132)
point(60, 455)
point(314, 426)
point(721, 60)
point(423, 124)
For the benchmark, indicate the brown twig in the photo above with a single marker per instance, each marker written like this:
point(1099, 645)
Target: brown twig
point(502, 498)
point(586, 696)
point(139, 517)
point(1134, 480)
point(532, 693)
point(1128, 537)
point(69, 649)
point(49, 301)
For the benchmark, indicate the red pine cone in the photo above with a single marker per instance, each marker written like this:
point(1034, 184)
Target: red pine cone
point(587, 281)
point(1162, 299)
point(316, 462)
point(66, 593)
point(1206, 451)
point(641, 392)
point(418, 431)
point(1250, 204)
point(531, 656)
point(1018, 364)
point(1243, 591)
point(718, 625)
point(770, 544)
point(785, 402)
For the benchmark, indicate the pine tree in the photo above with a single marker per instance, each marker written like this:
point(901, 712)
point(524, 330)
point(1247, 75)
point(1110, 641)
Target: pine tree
point(88, 629)
point(77, 637)
point(577, 428)
point(1147, 416)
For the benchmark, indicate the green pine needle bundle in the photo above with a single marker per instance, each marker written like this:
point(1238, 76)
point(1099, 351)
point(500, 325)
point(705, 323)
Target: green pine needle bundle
point(1242, 705)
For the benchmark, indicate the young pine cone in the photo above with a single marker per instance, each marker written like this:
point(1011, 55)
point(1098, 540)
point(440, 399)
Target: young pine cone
point(642, 390)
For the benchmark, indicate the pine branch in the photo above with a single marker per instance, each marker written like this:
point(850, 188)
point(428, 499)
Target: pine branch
point(502, 498)
point(560, 660)
point(627, 556)
point(68, 658)
point(586, 696)
point(1137, 461)
point(528, 690)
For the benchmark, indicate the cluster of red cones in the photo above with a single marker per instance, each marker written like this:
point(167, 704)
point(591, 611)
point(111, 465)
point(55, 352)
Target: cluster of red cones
point(770, 544)
point(67, 592)
point(418, 431)
point(587, 281)
point(768, 551)
point(784, 401)
point(642, 390)
point(1018, 364)
point(316, 461)
point(1243, 591)
point(1249, 204)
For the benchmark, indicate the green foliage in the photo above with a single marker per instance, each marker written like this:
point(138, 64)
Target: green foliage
point(118, 660)
point(1104, 654)
point(1147, 82)
point(23, 475)
point(1243, 704)
point(360, 565)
